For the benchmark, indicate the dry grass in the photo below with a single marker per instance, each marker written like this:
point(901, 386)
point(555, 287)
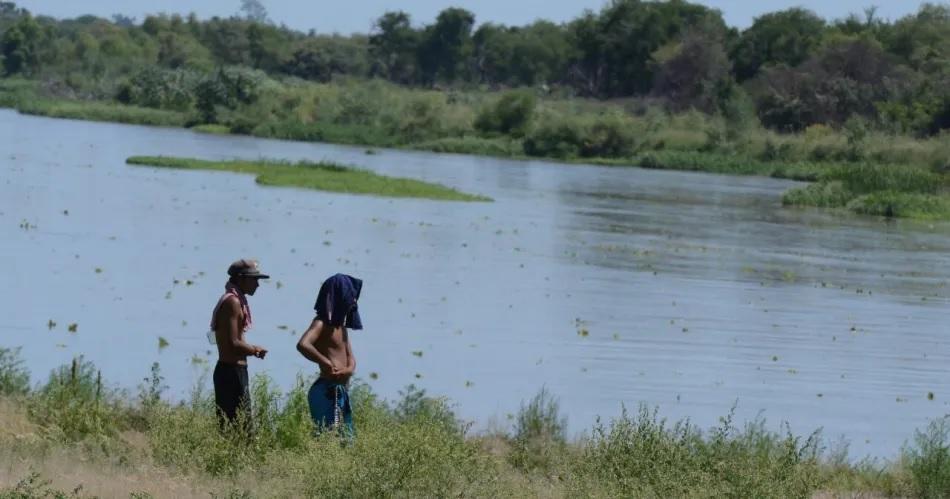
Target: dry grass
point(23, 451)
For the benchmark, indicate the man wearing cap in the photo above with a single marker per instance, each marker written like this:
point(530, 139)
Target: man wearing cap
point(229, 321)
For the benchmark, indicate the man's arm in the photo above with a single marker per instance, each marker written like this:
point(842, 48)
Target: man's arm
point(350, 359)
point(231, 310)
point(307, 346)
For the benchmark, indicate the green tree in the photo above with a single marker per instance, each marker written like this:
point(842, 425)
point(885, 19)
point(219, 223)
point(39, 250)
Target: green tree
point(446, 46)
point(923, 40)
point(320, 58)
point(393, 47)
point(848, 77)
point(693, 73)
point(785, 37)
point(19, 46)
point(615, 48)
point(254, 11)
point(538, 53)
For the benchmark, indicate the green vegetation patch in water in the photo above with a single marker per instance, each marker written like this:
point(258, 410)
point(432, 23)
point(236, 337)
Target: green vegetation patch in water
point(884, 190)
point(212, 129)
point(322, 176)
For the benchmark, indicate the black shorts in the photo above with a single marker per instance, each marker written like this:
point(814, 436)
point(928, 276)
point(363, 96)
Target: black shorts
point(231, 391)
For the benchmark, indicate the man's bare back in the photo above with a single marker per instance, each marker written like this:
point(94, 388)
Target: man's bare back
point(329, 347)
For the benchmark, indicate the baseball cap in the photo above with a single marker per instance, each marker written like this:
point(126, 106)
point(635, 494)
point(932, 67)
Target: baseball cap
point(246, 268)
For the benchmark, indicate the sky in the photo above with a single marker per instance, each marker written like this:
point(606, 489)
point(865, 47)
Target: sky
point(327, 16)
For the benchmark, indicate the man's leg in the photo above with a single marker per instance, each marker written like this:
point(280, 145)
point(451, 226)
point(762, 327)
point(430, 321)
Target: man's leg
point(321, 398)
point(243, 409)
point(226, 394)
point(347, 429)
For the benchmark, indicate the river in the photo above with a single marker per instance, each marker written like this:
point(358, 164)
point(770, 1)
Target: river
point(610, 287)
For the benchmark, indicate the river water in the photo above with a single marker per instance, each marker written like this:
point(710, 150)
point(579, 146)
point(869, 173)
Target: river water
point(609, 287)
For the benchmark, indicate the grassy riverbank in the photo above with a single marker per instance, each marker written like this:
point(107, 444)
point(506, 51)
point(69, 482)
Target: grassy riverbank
point(520, 125)
point(74, 431)
point(319, 176)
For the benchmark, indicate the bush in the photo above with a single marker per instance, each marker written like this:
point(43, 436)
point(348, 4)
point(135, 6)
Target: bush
point(821, 195)
point(866, 178)
point(416, 406)
point(75, 405)
point(929, 460)
point(420, 118)
point(510, 115)
point(901, 204)
point(14, 378)
point(540, 433)
point(606, 136)
point(643, 456)
point(609, 136)
point(556, 137)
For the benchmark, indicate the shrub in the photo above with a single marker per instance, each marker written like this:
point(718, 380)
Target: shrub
point(865, 178)
point(420, 118)
point(821, 194)
point(555, 137)
point(643, 456)
point(609, 136)
point(74, 404)
point(416, 406)
point(901, 204)
point(510, 115)
point(540, 433)
point(929, 460)
point(14, 378)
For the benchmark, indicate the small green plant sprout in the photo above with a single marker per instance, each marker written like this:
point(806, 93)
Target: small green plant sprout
point(417, 353)
point(374, 375)
point(72, 328)
point(162, 342)
point(98, 270)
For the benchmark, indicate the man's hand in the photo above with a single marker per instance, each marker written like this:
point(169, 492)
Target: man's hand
point(259, 352)
point(340, 374)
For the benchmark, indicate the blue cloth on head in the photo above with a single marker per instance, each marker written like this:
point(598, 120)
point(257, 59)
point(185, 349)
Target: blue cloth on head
point(330, 408)
point(337, 301)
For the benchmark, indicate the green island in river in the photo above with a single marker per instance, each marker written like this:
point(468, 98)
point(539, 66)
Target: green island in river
point(319, 176)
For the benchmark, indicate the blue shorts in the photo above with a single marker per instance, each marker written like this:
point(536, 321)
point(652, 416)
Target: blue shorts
point(330, 407)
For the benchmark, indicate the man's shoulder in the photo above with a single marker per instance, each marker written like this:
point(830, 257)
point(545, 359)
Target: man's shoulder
point(230, 303)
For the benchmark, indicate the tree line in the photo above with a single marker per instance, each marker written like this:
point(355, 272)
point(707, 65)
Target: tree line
point(790, 69)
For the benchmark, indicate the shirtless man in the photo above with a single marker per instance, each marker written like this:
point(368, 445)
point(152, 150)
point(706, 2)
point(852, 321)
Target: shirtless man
point(327, 343)
point(230, 320)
